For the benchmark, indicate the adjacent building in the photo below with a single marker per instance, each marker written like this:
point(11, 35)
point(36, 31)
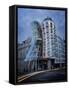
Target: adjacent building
point(23, 49)
point(60, 51)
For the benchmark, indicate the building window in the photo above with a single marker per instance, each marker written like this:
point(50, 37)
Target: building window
point(47, 37)
point(44, 54)
point(51, 25)
point(47, 31)
point(44, 33)
point(43, 28)
point(44, 47)
point(46, 24)
point(51, 30)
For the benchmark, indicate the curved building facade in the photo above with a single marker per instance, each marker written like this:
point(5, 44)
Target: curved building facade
point(35, 51)
point(37, 38)
point(49, 38)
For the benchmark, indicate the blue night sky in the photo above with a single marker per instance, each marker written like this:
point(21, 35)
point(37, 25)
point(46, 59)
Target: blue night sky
point(26, 16)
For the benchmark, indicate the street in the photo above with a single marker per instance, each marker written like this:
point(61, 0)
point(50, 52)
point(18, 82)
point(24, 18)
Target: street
point(50, 76)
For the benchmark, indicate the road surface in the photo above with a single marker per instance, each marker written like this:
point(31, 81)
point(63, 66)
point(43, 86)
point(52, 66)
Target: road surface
point(50, 76)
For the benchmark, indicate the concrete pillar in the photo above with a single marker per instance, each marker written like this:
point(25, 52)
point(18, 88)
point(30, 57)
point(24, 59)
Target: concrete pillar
point(49, 64)
point(60, 65)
